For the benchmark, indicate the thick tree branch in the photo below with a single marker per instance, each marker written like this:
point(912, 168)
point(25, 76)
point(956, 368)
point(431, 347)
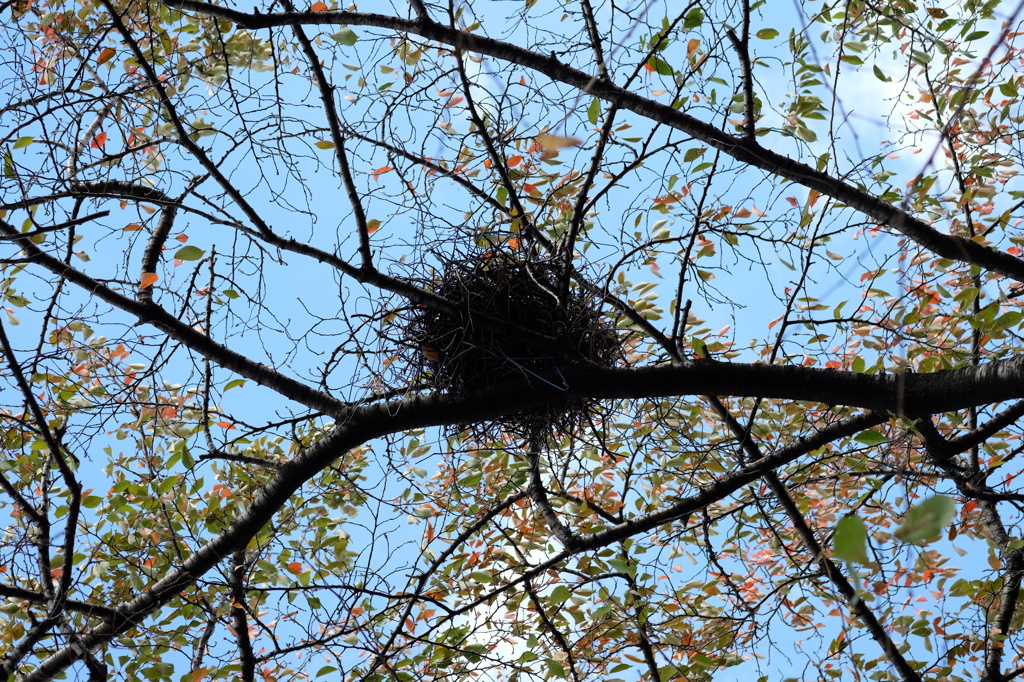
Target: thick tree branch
point(745, 150)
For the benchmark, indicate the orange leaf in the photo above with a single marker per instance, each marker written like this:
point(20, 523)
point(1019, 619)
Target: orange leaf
point(99, 140)
point(295, 568)
point(225, 425)
point(182, 238)
point(319, 7)
point(514, 161)
point(134, 227)
point(692, 46)
point(372, 226)
point(148, 280)
point(381, 171)
point(453, 101)
point(196, 675)
point(105, 55)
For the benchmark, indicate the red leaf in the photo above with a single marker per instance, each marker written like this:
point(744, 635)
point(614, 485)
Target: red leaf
point(99, 140)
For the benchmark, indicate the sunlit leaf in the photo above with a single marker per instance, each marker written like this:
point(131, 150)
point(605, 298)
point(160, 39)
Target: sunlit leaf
point(189, 253)
point(927, 520)
point(849, 542)
point(346, 36)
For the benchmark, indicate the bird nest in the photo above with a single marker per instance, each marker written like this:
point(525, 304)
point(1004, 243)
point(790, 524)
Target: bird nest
point(463, 352)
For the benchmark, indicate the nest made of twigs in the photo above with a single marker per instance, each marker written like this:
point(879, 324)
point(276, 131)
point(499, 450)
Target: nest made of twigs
point(462, 353)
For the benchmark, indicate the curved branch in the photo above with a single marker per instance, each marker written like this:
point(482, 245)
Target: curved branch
point(744, 150)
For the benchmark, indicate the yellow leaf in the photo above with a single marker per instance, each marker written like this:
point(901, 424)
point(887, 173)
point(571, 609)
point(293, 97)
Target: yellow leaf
point(551, 144)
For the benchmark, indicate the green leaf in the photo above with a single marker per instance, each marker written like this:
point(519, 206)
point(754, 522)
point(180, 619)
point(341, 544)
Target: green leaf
point(879, 75)
point(850, 541)
point(560, 594)
point(870, 437)
point(976, 35)
point(660, 66)
point(927, 520)
point(805, 134)
point(693, 19)
point(767, 33)
point(231, 293)
point(189, 253)
point(594, 111)
point(346, 36)
point(23, 142)
point(694, 154)
point(234, 383)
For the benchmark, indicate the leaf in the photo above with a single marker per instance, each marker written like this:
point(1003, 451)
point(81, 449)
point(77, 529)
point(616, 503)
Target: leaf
point(372, 225)
point(325, 144)
point(134, 227)
point(189, 253)
point(99, 140)
point(346, 36)
point(870, 437)
point(694, 154)
point(927, 520)
point(560, 594)
point(849, 543)
point(879, 75)
point(660, 66)
point(593, 112)
point(195, 675)
point(381, 171)
point(551, 145)
point(106, 54)
point(23, 142)
point(148, 280)
point(319, 7)
point(767, 33)
point(805, 134)
point(294, 567)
